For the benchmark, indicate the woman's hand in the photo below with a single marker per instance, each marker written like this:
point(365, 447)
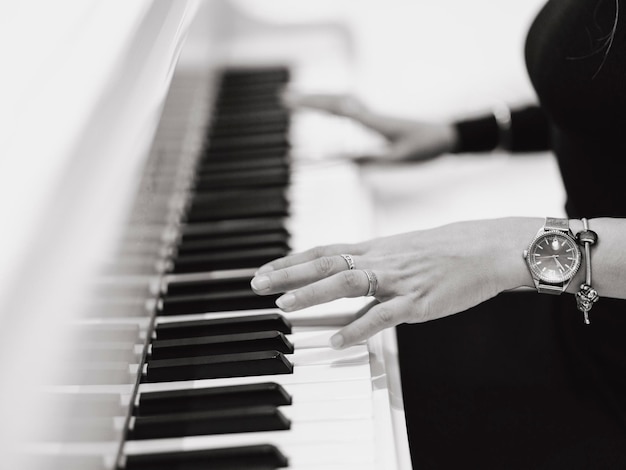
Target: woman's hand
point(421, 275)
point(409, 140)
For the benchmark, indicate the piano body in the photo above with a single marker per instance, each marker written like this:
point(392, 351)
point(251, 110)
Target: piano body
point(130, 338)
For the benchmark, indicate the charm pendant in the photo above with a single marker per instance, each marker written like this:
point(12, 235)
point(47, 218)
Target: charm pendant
point(585, 298)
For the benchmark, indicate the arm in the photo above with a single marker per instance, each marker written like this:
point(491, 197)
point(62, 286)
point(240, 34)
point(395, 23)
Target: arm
point(527, 129)
point(434, 273)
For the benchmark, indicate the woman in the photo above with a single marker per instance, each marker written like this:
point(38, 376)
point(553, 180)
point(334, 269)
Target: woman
point(576, 58)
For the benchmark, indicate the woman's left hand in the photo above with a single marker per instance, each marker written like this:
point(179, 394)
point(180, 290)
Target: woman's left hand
point(421, 275)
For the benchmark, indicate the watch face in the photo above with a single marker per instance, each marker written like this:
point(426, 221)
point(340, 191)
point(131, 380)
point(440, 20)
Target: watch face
point(554, 257)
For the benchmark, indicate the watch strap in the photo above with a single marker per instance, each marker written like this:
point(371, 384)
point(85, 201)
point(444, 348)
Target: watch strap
point(555, 289)
point(553, 223)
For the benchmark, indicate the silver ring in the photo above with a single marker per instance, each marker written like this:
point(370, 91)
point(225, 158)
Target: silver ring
point(349, 260)
point(373, 283)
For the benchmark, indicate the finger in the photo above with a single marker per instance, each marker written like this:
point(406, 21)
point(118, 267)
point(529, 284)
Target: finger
point(285, 279)
point(377, 318)
point(306, 256)
point(343, 284)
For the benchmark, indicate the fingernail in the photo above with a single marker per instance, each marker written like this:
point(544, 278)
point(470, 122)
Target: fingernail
point(336, 341)
point(286, 301)
point(260, 283)
point(263, 270)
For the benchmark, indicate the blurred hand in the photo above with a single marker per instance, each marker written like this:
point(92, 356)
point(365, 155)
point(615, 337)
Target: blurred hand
point(409, 139)
point(421, 275)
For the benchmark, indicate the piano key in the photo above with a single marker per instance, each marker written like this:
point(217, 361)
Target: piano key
point(76, 428)
point(85, 404)
point(230, 227)
point(259, 457)
point(106, 332)
point(198, 423)
point(277, 238)
point(206, 213)
point(216, 301)
point(242, 195)
point(207, 285)
point(103, 351)
point(359, 388)
point(94, 373)
point(248, 129)
point(308, 376)
point(242, 154)
point(238, 77)
point(265, 178)
point(229, 325)
point(243, 258)
point(224, 365)
point(255, 365)
point(336, 442)
point(211, 398)
point(220, 344)
point(232, 144)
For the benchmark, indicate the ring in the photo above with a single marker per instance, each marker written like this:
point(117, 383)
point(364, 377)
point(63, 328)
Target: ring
point(349, 260)
point(373, 283)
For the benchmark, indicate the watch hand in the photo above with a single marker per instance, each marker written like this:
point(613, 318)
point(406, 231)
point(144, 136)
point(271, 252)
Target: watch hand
point(557, 262)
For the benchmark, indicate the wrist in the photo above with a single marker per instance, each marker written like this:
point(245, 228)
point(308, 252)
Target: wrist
point(517, 233)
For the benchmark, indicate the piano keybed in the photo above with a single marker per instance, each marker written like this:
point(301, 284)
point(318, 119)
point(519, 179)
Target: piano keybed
point(178, 364)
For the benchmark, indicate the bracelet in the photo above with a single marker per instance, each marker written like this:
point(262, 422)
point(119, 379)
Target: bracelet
point(587, 295)
point(502, 115)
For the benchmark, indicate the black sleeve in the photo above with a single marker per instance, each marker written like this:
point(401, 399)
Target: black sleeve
point(528, 132)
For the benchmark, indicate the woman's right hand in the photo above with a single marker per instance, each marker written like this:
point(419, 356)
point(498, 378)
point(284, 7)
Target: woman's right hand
point(409, 140)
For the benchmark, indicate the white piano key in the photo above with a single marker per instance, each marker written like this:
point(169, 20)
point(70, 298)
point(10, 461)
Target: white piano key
point(313, 392)
point(312, 339)
point(301, 375)
point(309, 433)
point(329, 410)
point(307, 357)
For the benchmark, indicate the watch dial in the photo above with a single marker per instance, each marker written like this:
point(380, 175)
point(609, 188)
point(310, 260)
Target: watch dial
point(554, 257)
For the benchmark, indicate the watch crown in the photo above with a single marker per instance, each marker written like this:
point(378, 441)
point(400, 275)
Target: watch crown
point(525, 253)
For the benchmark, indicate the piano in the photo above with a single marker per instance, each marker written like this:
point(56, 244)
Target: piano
point(130, 337)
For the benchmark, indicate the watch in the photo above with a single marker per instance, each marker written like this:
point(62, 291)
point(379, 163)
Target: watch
point(553, 256)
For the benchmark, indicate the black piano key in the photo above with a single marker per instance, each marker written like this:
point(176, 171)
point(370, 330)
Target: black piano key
point(206, 286)
point(232, 227)
point(221, 344)
point(207, 213)
point(242, 154)
point(212, 166)
point(203, 423)
point(241, 130)
point(243, 299)
point(219, 366)
point(274, 116)
point(273, 141)
point(243, 258)
point(240, 76)
point(218, 326)
point(237, 195)
point(212, 398)
point(268, 177)
point(261, 457)
point(280, 239)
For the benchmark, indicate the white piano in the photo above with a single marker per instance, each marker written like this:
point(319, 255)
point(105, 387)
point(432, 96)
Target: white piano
point(123, 116)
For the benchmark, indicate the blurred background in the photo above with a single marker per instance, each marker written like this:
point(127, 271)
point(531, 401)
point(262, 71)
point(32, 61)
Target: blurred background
point(439, 59)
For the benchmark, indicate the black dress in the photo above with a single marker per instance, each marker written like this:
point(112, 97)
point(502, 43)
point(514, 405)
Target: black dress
point(520, 381)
